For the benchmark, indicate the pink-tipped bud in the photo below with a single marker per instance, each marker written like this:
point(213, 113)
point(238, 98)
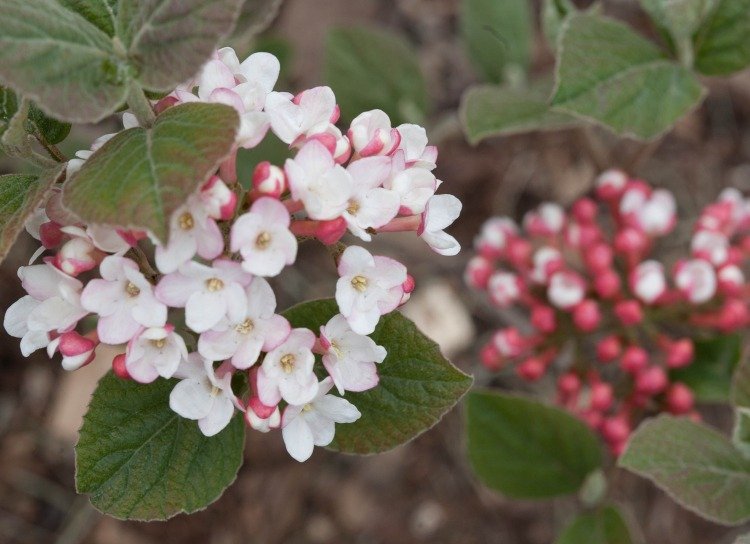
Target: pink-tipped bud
point(608, 349)
point(566, 289)
point(490, 357)
point(598, 258)
point(586, 315)
point(543, 318)
point(616, 429)
point(531, 369)
point(731, 280)
point(330, 232)
point(629, 312)
point(50, 234)
point(478, 272)
point(592, 418)
point(77, 256)
point(696, 280)
point(584, 210)
point(651, 381)
point(76, 350)
point(409, 285)
point(680, 399)
point(504, 288)
point(607, 284)
point(494, 237)
point(569, 385)
point(260, 409)
point(602, 396)
point(647, 281)
point(680, 353)
point(610, 184)
point(634, 359)
point(165, 103)
point(119, 369)
point(219, 200)
point(519, 252)
point(630, 241)
point(269, 180)
point(509, 342)
point(547, 220)
point(733, 315)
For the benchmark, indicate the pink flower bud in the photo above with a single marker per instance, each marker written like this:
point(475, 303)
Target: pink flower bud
point(610, 184)
point(629, 312)
point(651, 381)
point(634, 359)
point(680, 399)
point(712, 246)
point(547, 220)
point(598, 258)
point(584, 210)
point(568, 384)
point(409, 285)
point(77, 350)
point(269, 180)
point(504, 288)
point(602, 396)
point(118, 367)
point(696, 280)
point(592, 418)
point(519, 252)
point(731, 280)
point(478, 272)
point(608, 348)
point(566, 289)
point(219, 200)
point(531, 369)
point(647, 281)
point(50, 234)
point(165, 103)
point(630, 241)
point(616, 429)
point(547, 261)
point(578, 235)
point(607, 283)
point(76, 256)
point(586, 315)
point(490, 357)
point(494, 237)
point(330, 232)
point(733, 315)
point(260, 409)
point(543, 318)
point(680, 353)
point(509, 342)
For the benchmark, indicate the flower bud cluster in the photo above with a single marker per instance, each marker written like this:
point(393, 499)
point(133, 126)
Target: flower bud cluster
point(198, 306)
point(607, 317)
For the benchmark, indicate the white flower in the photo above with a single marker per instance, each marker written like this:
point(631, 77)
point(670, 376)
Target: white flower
point(350, 358)
point(415, 148)
point(370, 205)
point(263, 238)
point(123, 299)
point(202, 395)
point(208, 293)
point(287, 371)
point(154, 352)
point(647, 281)
point(242, 340)
point(191, 231)
point(504, 288)
point(371, 134)
point(308, 113)
point(566, 289)
point(414, 185)
point(368, 287)
point(654, 213)
point(712, 246)
point(697, 279)
point(322, 185)
point(439, 213)
point(314, 423)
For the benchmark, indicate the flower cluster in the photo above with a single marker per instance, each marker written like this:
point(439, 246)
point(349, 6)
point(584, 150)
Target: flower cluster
point(604, 312)
point(198, 306)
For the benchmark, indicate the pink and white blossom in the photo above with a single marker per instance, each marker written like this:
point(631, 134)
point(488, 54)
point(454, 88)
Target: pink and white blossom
point(647, 281)
point(566, 289)
point(154, 352)
point(368, 287)
point(414, 185)
point(371, 134)
point(314, 423)
point(294, 117)
point(697, 280)
point(439, 213)
point(350, 358)
point(218, 200)
point(414, 146)
point(76, 350)
point(287, 371)
point(370, 205)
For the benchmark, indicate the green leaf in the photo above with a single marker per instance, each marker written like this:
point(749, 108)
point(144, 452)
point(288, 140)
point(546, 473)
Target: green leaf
point(489, 110)
point(696, 465)
point(8, 108)
point(417, 384)
point(525, 449)
point(721, 45)
point(255, 16)
point(167, 41)
point(373, 69)
point(498, 36)
point(740, 390)
point(60, 61)
point(554, 13)
point(741, 431)
point(100, 13)
point(608, 73)
point(140, 176)
point(710, 374)
point(681, 18)
point(20, 195)
point(604, 526)
point(37, 124)
point(140, 460)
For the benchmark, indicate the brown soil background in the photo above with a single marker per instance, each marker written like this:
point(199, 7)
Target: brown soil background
point(423, 491)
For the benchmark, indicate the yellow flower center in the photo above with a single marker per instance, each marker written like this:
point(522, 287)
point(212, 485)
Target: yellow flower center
point(160, 343)
point(287, 363)
point(263, 240)
point(245, 327)
point(214, 284)
point(359, 283)
point(132, 289)
point(186, 221)
point(307, 407)
point(353, 207)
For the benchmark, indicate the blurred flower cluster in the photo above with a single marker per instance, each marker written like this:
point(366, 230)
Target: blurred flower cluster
point(607, 317)
point(198, 306)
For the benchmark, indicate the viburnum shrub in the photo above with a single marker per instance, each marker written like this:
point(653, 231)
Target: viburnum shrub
point(614, 323)
point(149, 240)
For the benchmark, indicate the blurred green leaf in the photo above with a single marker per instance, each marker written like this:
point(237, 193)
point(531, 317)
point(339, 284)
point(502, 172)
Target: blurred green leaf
point(740, 390)
point(490, 110)
point(721, 44)
point(100, 13)
point(37, 123)
point(140, 460)
point(373, 69)
point(603, 526)
point(608, 73)
point(418, 385)
point(498, 36)
point(554, 13)
point(698, 466)
point(525, 449)
point(681, 18)
point(140, 176)
point(710, 374)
